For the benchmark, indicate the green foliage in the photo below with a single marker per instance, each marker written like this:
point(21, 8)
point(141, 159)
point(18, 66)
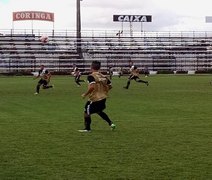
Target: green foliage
point(163, 131)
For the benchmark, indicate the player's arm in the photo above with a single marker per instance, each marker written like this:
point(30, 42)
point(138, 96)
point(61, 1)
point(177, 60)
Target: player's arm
point(109, 83)
point(37, 76)
point(91, 86)
point(49, 77)
point(39, 72)
point(89, 91)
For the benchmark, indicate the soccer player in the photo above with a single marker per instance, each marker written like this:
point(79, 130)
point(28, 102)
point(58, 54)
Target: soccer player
point(77, 74)
point(120, 72)
point(110, 72)
point(134, 75)
point(45, 77)
point(97, 92)
point(146, 71)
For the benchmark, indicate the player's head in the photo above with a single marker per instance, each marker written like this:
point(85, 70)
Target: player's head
point(42, 66)
point(95, 65)
point(46, 71)
point(76, 69)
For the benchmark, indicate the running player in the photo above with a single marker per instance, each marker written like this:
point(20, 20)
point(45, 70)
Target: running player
point(77, 74)
point(45, 77)
point(134, 75)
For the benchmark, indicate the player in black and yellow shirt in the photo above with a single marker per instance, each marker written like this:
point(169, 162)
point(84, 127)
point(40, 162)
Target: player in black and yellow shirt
point(77, 75)
point(134, 75)
point(45, 76)
point(97, 92)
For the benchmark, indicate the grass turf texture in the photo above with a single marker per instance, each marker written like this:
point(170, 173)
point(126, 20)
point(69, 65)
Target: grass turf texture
point(164, 131)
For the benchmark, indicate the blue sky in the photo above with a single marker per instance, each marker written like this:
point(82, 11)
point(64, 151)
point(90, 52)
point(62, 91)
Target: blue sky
point(167, 15)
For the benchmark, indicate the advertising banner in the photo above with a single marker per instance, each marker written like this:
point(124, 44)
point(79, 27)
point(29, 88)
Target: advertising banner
point(132, 18)
point(33, 15)
point(208, 19)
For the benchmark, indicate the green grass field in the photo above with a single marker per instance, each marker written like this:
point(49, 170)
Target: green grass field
point(164, 131)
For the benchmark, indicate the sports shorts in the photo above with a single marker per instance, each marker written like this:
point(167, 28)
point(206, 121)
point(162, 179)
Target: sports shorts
point(95, 107)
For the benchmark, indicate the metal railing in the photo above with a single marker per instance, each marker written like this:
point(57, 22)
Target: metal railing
point(21, 50)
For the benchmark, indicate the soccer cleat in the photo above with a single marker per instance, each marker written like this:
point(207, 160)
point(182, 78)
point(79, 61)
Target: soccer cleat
point(36, 93)
point(113, 126)
point(84, 130)
point(125, 87)
point(147, 83)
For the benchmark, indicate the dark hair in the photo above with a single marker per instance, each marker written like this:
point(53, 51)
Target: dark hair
point(96, 65)
point(46, 71)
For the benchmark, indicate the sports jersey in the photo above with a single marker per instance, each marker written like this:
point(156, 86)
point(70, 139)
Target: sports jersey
point(134, 71)
point(76, 72)
point(101, 86)
point(41, 72)
point(44, 74)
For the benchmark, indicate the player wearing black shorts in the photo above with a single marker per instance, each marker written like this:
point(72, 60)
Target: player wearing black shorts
point(45, 77)
point(98, 88)
point(134, 75)
point(77, 74)
point(110, 72)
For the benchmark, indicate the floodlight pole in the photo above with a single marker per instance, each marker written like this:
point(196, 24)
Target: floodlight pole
point(79, 48)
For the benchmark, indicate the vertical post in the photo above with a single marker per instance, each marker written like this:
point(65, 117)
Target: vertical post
point(131, 33)
point(12, 30)
point(32, 26)
point(79, 48)
point(142, 29)
point(53, 30)
point(122, 26)
point(131, 30)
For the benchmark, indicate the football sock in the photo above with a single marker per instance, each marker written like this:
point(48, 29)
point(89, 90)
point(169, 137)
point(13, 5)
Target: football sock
point(105, 117)
point(78, 83)
point(128, 84)
point(47, 87)
point(87, 123)
point(142, 81)
point(38, 88)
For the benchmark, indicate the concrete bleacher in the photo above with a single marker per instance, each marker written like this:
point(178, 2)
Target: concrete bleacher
point(21, 52)
point(168, 51)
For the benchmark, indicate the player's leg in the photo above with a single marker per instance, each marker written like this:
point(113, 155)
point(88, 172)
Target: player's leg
point(128, 82)
point(77, 80)
point(87, 118)
point(38, 88)
point(87, 121)
point(46, 86)
point(141, 81)
point(40, 82)
point(105, 117)
point(101, 106)
point(81, 80)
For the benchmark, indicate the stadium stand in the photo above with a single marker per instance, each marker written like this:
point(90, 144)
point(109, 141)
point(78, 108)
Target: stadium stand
point(157, 51)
